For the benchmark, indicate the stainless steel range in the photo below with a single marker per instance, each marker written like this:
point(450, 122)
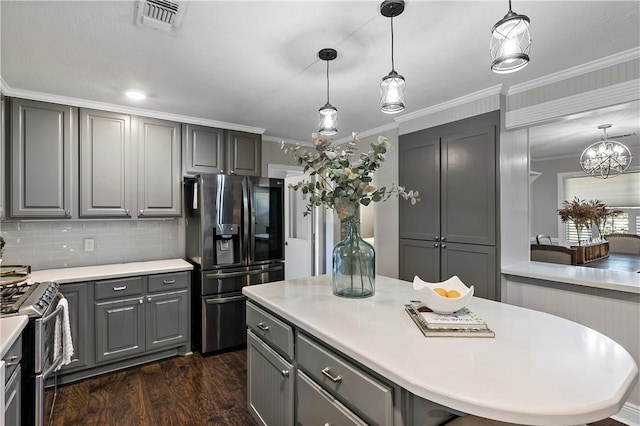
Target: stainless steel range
point(40, 357)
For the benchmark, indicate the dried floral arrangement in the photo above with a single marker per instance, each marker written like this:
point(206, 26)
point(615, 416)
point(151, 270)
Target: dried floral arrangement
point(586, 213)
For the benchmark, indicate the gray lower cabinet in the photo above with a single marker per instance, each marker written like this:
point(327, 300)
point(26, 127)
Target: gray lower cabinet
point(3, 131)
point(12, 398)
point(105, 164)
point(166, 320)
point(317, 407)
point(159, 189)
point(80, 324)
point(43, 152)
point(119, 329)
point(270, 384)
point(421, 258)
point(474, 264)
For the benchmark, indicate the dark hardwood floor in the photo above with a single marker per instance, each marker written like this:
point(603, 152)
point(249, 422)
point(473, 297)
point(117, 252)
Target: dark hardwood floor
point(191, 390)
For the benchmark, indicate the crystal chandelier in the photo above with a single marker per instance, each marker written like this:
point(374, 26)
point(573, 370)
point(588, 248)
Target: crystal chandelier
point(605, 158)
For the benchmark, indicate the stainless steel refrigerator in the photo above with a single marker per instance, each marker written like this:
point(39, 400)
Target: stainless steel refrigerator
point(234, 238)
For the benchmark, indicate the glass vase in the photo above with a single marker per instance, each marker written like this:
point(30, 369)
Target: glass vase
point(354, 263)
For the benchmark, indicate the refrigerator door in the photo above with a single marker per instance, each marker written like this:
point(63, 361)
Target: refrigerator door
point(266, 217)
point(221, 216)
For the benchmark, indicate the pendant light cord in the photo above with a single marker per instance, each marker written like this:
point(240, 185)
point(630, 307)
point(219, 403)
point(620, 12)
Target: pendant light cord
point(393, 68)
point(327, 82)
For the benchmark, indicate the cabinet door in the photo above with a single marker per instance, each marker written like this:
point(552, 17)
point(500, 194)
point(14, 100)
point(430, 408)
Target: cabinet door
point(167, 320)
point(3, 129)
point(469, 186)
point(203, 148)
point(420, 171)
point(421, 258)
point(270, 384)
point(12, 398)
point(474, 265)
point(158, 168)
point(105, 156)
point(81, 324)
point(43, 137)
point(244, 153)
point(119, 329)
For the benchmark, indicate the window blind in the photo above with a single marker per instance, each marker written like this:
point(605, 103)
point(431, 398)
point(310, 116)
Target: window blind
point(620, 191)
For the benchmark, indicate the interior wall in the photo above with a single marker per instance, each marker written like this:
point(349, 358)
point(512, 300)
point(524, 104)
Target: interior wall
point(272, 154)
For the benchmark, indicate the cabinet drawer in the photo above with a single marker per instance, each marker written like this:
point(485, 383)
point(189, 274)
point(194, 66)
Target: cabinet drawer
point(118, 288)
point(317, 407)
point(168, 282)
point(12, 358)
point(270, 329)
point(357, 389)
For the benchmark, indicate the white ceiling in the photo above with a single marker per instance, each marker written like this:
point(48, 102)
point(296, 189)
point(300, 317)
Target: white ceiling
point(254, 63)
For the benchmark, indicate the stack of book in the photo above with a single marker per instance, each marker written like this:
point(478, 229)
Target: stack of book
point(463, 323)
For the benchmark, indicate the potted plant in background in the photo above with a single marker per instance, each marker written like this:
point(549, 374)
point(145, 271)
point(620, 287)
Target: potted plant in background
point(585, 214)
point(343, 183)
point(578, 212)
point(2, 243)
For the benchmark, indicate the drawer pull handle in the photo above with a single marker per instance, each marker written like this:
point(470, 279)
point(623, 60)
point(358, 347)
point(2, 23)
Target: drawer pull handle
point(327, 372)
point(123, 287)
point(169, 281)
point(14, 360)
point(285, 373)
point(262, 326)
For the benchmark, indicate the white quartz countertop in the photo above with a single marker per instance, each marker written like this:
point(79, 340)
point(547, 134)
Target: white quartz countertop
point(539, 369)
point(589, 277)
point(10, 329)
point(100, 272)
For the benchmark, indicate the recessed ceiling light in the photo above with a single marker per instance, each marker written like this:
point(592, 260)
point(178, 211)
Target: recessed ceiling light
point(138, 96)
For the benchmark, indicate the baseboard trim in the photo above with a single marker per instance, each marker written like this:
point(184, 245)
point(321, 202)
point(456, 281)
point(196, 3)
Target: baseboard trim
point(629, 415)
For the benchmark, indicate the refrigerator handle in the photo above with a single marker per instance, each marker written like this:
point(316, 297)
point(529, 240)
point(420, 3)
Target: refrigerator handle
point(246, 210)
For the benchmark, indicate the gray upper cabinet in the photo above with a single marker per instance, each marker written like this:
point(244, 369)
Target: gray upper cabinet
point(244, 153)
point(43, 143)
point(211, 150)
point(158, 168)
point(105, 164)
point(203, 149)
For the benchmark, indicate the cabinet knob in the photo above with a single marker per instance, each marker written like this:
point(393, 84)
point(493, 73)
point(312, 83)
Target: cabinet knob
point(285, 373)
point(140, 302)
point(141, 213)
point(231, 172)
point(67, 213)
point(148, 300)
point(437, 238)
point(127, 212)
point(221, 171)
point(442, 239)
point(444, 246)
point(436, 245)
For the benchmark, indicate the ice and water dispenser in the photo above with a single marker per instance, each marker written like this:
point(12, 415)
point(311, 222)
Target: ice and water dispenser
point(227, 242)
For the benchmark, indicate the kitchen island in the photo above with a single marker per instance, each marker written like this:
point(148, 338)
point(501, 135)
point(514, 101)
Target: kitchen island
point(539, 368)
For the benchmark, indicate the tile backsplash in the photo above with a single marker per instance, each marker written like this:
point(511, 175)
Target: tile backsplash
point(56, 244)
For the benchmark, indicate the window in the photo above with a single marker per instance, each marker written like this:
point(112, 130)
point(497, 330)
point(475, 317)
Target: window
point(623, 193)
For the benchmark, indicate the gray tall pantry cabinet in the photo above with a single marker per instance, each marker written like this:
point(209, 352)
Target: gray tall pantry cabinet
point(454, 229)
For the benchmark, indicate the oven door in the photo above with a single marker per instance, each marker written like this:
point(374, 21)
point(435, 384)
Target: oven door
point(48, 355)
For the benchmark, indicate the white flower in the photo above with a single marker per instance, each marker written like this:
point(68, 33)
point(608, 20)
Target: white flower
point(330, 155)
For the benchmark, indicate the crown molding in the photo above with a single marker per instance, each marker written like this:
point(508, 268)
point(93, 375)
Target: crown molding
point(598, 64)
point(276, 139)
point(482, 94)
point(594, 99)
point(103, 106)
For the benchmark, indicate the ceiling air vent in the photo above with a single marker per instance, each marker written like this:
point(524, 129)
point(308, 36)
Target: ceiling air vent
point(163, 15)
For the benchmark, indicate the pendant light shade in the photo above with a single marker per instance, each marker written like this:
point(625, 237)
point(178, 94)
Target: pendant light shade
point(510, 43)
point(392, 86)
point(328, 124)
point(605, 158)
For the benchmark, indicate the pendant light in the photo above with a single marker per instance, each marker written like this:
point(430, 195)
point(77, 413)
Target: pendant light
point(392, 85)
point(328, 113)
point(510, 43)
point(605, 158)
